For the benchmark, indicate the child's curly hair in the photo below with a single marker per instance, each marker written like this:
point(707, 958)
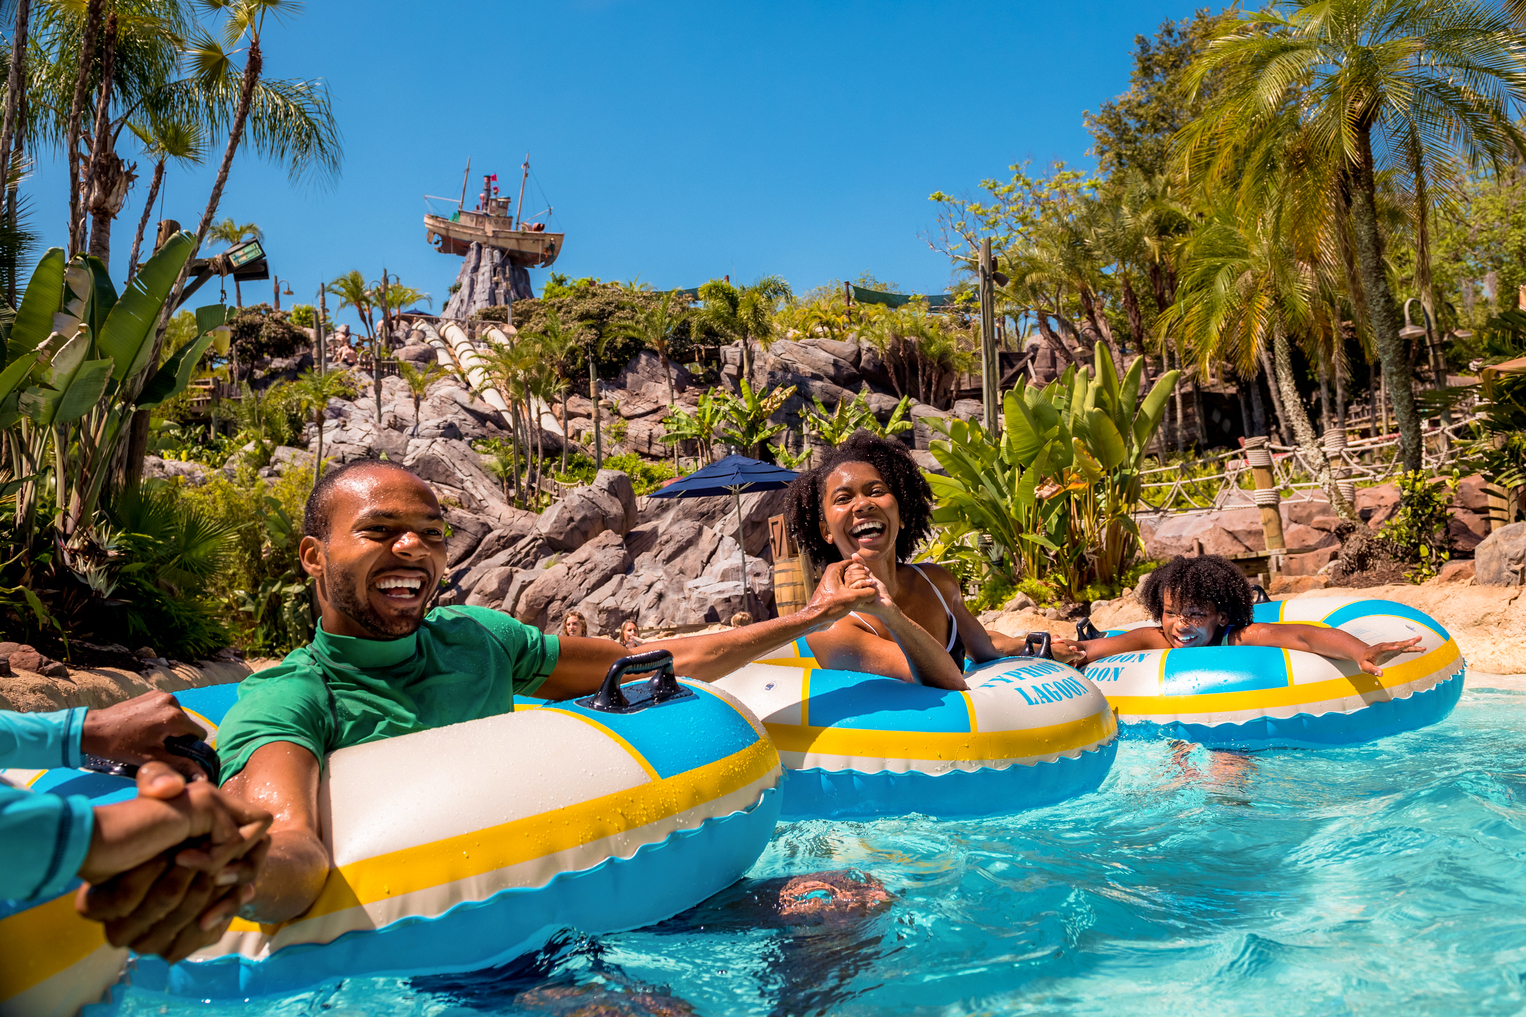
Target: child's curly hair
point(900, 473)
point(1207, 579)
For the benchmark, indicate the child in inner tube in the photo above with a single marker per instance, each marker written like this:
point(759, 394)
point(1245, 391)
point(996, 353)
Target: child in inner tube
point(1206, 601)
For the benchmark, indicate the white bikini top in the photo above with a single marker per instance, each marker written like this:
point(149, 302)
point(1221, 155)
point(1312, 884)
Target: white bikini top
point(953, 630)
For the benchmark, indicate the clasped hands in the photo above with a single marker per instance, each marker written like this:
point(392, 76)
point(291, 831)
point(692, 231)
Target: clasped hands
point(847, 586)
point(166, 871)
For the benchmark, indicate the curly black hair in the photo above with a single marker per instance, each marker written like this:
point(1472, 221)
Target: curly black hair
point(1204, 580)
point(900, 473)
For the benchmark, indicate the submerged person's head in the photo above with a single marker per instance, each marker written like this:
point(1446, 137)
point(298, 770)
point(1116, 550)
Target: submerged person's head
point(574, 624)
point(375, 542)
point(867, 497)
point(1194, 598)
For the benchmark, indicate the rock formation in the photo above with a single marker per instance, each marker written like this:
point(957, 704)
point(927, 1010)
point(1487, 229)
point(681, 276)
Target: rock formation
point(486, 279)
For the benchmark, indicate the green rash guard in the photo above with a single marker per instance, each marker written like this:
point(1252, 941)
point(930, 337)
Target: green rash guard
point(464, 663)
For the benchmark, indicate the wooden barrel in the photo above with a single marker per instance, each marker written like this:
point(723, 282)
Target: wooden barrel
point(790, 590)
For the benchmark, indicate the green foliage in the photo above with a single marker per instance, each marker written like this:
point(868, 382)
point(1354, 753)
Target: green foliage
point(853, 414)
point(303, 316)
point(604, 317)
point(646, 475)
point(700, 426)
point(262, 586)
point(1418, 533)
point(745, 422)
point(1056, 493)
point(259, 331)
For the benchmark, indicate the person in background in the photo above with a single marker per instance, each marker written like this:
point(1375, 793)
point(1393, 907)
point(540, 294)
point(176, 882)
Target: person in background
point(164, 871)
point(741, 618)
point(574, 624)
point(1206, 601)
point(868, 507)
point(630, 636)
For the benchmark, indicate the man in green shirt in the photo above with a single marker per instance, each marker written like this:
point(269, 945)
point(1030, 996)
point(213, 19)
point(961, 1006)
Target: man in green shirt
point(382, 664)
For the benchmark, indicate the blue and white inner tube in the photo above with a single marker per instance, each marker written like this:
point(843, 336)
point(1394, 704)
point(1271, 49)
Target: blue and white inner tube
point(459, 847)
point(1029, 732)
point(1254, 697)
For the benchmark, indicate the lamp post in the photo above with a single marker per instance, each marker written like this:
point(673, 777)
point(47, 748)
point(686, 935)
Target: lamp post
point(275, 284)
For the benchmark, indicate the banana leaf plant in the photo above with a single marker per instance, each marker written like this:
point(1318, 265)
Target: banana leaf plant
point(80, 361)
point(1056, 494)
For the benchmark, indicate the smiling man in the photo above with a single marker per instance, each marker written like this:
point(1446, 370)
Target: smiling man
point(383, 664)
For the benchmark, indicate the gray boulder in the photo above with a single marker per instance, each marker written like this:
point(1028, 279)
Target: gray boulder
point(572, 579)
point(1500, 558)
point(583, 514)
point(615, 483)
point(418, 353)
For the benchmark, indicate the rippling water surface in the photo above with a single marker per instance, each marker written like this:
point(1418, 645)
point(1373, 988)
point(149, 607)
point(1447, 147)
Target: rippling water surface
point(1390, 877)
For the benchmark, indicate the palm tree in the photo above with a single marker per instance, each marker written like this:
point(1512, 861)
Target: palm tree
point(352, 291)
point(398, 297)
point(1363, 76)
point(557, 346)
point(418, 380)
point(653, 328)
point(741, 314)
point(232, 233)
point(1246, 288)
point(164, 139)
point(315, 390)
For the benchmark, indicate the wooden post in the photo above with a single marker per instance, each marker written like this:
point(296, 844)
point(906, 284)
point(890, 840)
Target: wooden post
point(990, 365)
point(377, 345)
point(1335, 451)
point(1267, 499)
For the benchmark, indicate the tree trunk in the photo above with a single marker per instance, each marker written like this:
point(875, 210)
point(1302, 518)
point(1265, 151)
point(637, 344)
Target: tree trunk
point(76, 110)
point(1313, 452)
point(318, 457)
point(566, 426)
point(1176, 393)
point(1338, 365)
point(1284, 432)
point(1380, 304)
point(15, 85)
point(1257, 405)
point(1326, 417)
point(252, 64)
point(101, 152)
point(148, 210)
point(667, 373)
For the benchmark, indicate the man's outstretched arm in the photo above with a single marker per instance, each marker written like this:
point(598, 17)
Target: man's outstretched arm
point(282, 779)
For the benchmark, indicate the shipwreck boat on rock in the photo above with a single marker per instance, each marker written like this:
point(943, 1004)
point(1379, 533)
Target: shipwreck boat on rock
point(493, 224)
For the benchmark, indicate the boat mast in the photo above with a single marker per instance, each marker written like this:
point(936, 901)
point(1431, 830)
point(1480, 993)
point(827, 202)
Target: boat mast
point(464, 178)
point(519, 209)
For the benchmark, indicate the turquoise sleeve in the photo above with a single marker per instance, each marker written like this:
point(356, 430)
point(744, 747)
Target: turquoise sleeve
point(44, 839)
point(41, 741)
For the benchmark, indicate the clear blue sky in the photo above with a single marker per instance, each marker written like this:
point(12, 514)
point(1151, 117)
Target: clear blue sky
point(677, 141)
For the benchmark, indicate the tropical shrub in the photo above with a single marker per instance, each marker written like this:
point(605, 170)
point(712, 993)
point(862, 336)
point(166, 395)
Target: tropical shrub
point(1418, 532)
point(259, 331)
point(1056, 493)
point(80, 363)
point(646, 475)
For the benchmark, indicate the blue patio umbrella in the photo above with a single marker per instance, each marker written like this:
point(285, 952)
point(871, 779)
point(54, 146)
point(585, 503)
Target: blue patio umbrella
point(731, 475)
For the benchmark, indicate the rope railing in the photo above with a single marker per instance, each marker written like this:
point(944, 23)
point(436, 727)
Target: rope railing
point(1364, 461)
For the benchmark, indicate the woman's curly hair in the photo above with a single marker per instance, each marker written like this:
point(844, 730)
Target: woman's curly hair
point(1204, 580)
point(900, 473)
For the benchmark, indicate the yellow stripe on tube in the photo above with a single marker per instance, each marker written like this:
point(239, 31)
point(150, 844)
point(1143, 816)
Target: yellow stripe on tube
point(1394, 675)
point(956, 746)
point(40, 942)
point(445, 861)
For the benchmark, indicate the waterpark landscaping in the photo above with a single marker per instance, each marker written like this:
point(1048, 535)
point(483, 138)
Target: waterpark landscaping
point(1281, 320)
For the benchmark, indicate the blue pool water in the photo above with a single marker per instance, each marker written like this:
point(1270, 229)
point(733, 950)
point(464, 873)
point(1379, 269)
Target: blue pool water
point(1384, 879)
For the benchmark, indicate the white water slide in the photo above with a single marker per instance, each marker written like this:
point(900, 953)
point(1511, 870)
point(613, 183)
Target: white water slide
point(459, 354)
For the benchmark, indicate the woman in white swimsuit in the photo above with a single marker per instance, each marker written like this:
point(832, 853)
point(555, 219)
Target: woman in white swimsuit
point(868, 504)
